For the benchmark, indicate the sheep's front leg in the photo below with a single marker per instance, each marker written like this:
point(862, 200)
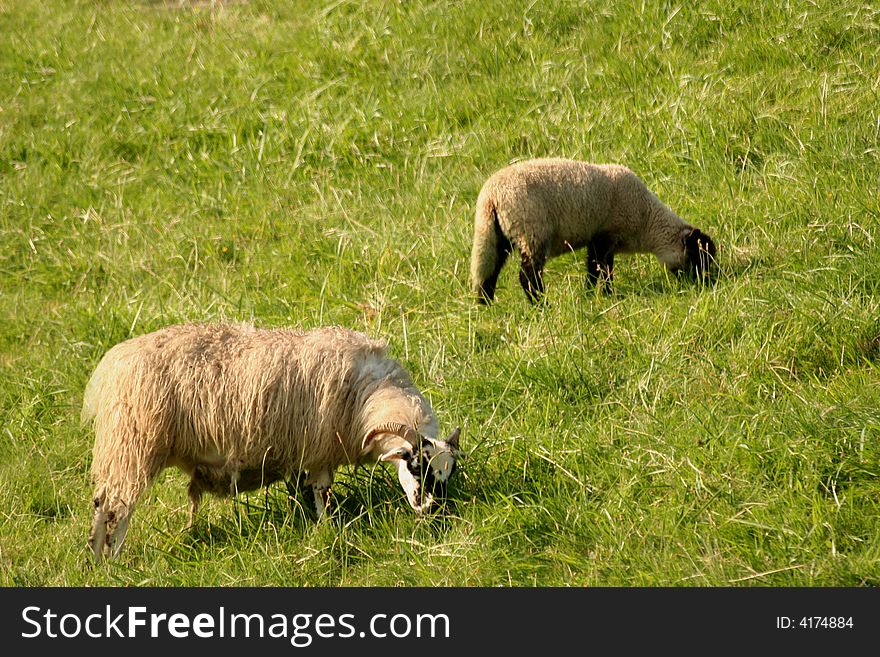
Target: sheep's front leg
point(600, 262)
point(320, 483)
point(196, 488)
point(293, 489)
point(195, 497)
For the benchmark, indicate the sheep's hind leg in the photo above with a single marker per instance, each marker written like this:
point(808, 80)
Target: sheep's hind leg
point(108, 528)
point(531, 277)
point(503, 249)
point(117, 533)
point(600, 263)
point(115, 499)
point(98, 533)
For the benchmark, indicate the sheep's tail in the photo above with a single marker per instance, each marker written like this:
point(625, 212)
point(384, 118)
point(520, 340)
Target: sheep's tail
point(91, 399)
point(490, 250)
point(101, 390)
point(100, 410)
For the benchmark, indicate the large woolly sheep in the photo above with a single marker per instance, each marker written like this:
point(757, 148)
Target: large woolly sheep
point(547, 207)
point(237, 407)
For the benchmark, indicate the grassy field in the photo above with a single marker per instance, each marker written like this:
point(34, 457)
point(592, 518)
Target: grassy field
point(320, 165)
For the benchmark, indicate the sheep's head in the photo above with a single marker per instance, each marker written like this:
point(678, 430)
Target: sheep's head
point(424, 465)
point(699, 253)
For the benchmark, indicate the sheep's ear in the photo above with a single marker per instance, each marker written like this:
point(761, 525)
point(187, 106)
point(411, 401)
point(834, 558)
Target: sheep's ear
point(701, 251)
point(452, 440)
point(699, 244)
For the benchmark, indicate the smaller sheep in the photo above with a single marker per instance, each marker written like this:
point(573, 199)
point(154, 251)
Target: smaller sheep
point(237, 408)
point(547, 207)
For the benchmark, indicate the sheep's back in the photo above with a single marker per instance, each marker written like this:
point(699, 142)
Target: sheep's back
point(552, 204)
point(252, 396)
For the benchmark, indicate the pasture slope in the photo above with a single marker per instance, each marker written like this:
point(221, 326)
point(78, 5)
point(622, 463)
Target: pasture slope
point(162, 163)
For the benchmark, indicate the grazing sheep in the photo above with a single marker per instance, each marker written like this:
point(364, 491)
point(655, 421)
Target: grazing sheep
point(237, 407)
point(547, 207)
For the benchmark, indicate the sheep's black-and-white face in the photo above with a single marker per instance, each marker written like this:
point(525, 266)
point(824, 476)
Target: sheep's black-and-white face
point(435, 464)
point(424, 465)
point(425, 472)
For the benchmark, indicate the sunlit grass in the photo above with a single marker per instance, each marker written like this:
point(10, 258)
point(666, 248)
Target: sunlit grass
point(320, 165)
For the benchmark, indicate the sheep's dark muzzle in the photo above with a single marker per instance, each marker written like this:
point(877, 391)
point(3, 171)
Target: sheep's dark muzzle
point(701, 252)
point(419, 467)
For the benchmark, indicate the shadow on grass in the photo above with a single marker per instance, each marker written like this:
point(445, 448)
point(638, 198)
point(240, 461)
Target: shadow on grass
point(360, 500)
point(629, 285)
point(727, 267)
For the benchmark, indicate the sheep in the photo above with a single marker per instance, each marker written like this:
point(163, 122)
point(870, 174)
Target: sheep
point(550, 206)
point(238, 407)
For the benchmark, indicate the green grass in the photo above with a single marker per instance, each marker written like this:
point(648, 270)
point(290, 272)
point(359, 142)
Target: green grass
point(320, 165)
